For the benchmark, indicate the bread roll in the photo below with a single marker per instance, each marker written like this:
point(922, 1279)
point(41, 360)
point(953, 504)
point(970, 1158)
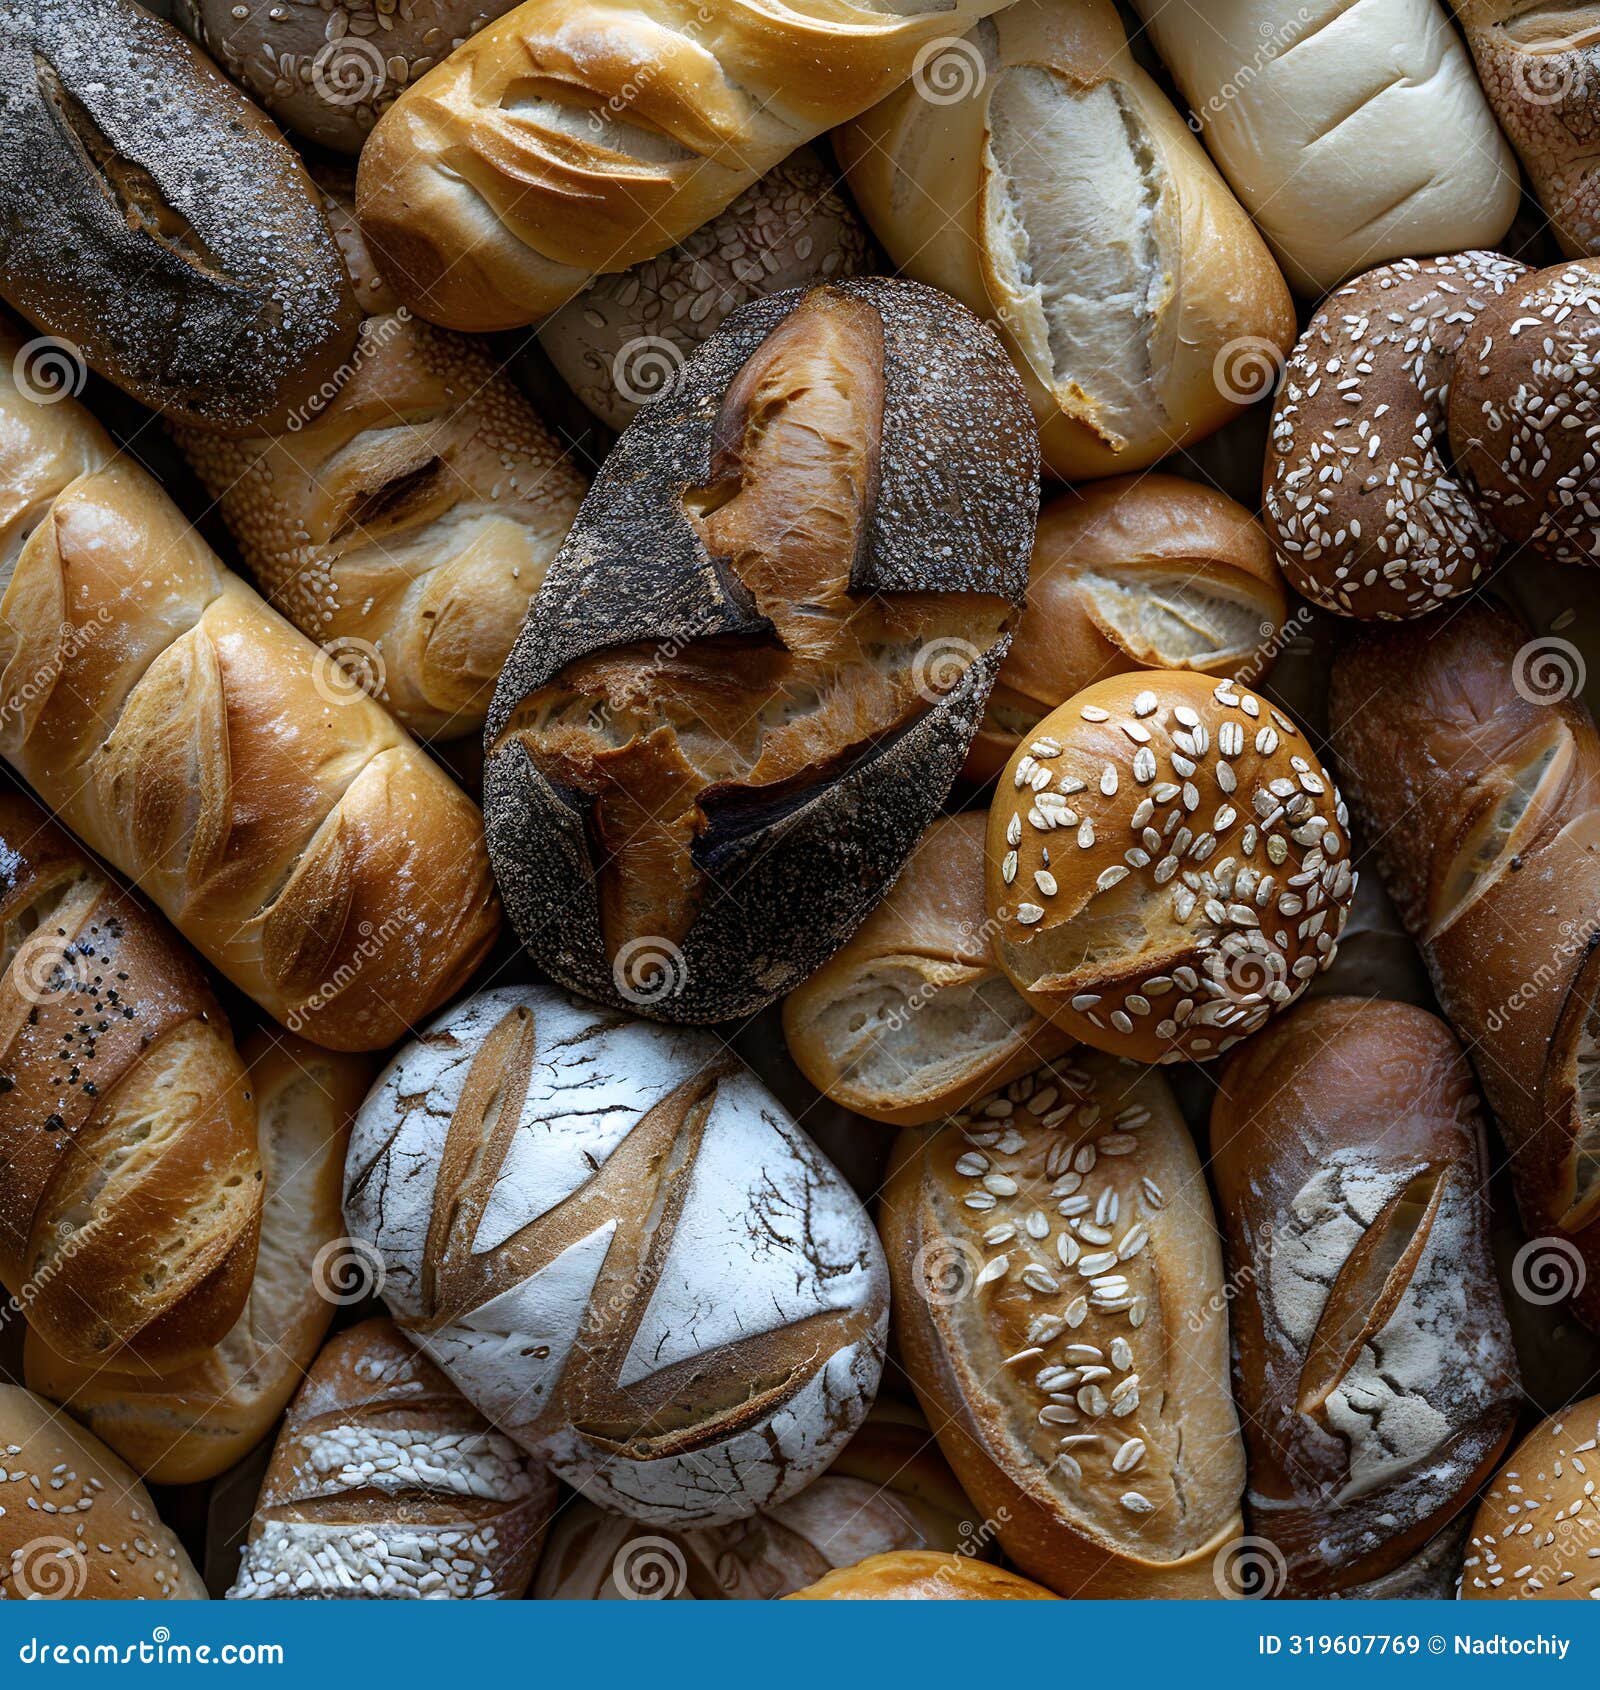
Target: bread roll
point(1052, 188)
point(1059, 1307)
point(1361, 498)
point(1353, 133)
point(132, 1192)
point(913, 1576)
point(574, 138)
point(1168, 866)
point(158, 222)
point(406, 527)
point(624, 337)
point(287, 827)
point(618, 1244)
point(755, 666)
point(74, 1521)
point(1142, 572)
point(1536, 1536)
point(183, 1425)
point(1477, 780)
point(386, 1483)
point(1376, 1377)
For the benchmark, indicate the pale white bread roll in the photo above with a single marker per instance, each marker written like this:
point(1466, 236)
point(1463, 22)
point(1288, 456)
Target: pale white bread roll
point(576, 137)
point(1039, 175)
point(387, 1484)
point(1354, 131)
point(183, 1425)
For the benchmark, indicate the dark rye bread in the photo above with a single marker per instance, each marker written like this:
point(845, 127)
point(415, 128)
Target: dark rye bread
point(156, 219)
point(756, 665)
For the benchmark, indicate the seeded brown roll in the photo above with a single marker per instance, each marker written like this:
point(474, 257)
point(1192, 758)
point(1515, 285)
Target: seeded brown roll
point(1361, 498)
point(1168, 865)
point(1376, 1377)
point(1525, 412)
point(1141, 572)
point(922, 1576)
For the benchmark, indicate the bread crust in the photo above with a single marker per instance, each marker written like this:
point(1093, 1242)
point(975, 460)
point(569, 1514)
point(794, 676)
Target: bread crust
point(921, 1576)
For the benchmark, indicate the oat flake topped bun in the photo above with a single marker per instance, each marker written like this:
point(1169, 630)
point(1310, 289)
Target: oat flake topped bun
point(1168, 864)
point(1361, 498)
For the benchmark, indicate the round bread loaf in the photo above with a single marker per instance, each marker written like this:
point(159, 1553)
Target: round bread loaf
point(1362, 499)
point(623, 1251)
point(1139, 572)
point(1525, 412)
point(921, 1576)
point(1168, 865)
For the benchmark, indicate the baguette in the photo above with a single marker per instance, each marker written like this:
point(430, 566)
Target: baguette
point(276, 814)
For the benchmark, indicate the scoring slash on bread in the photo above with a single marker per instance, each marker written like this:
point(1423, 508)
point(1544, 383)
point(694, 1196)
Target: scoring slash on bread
point(131, 1202)
point(623, 1251)
point(1375, 1372)
point(1353, 133)
point(1140, 572)
point(1053, 188)
point(180, 1425)
point(155, 219)
point(922, 1576)
point(386, 1483)
point(1479, 788)
point(284, 823)
point(756, 665)
point(1168, 865)
point(570, 138)
point(1059, 1309)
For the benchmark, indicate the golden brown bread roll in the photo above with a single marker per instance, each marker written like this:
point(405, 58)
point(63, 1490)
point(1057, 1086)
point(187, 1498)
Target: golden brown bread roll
point(1059, 1302)
point(1052, 188)
point(74, 1520)
point(922, 1576)
point(1168, 865)
point(132, 1192)
point(576, 136)
point(1140, 572)
point(277, 815)
point(181, 1425)
point(1376, 1377)
point(1476, 777)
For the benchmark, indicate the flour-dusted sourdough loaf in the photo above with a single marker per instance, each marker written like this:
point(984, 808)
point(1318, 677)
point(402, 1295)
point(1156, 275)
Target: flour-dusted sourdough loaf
point(623, 1250)
point(1377, 1382)
point(387, 1483)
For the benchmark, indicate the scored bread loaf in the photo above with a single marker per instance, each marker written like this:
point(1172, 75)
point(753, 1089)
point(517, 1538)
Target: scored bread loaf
point(407, 526)
point(1060, 1309)
point(922, 1576)
point(1477, 780)
point(573, 138)
point(1376, 1376)
point(618, 1244)
point(1140, 572)
point(132, 1194)
point(279, 817)
point(158, 222)
point(1052, 188)
point(386, 1483)
point(178, 1426)
point(1354, 133)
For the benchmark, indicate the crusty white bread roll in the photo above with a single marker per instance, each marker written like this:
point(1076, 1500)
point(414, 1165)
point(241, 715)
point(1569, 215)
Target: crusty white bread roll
point(1476, 778)
point(288, 828)
point(1354, 131)
point(408, 525)
point(74, 1520)
point(1139, 572)
point(922, 1576)
point(1052, 188)
point(387, 1484)
point(912, 1017)
point(580, 136)
point(1168, 865)
point(1377, 1382)
point(178, 1426)
point(1536, 1535)
point(1060, 1309)
point(131, 1200)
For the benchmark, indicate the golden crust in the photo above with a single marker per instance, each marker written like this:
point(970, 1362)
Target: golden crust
point(919, 1575)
